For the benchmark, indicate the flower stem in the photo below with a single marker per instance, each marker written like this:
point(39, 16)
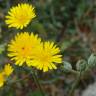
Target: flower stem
point(37, 83)
point(71, 92)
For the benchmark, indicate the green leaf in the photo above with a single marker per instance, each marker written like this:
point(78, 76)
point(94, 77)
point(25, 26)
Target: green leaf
point(67, 43)
point(66, 66)
point(92, 61)
point(35, 93)
point(2, 48)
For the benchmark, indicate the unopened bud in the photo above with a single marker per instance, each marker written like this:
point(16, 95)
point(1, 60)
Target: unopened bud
point(81, 65)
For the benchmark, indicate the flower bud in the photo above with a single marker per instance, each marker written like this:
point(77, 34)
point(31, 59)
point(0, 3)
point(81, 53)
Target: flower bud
point(81, 65)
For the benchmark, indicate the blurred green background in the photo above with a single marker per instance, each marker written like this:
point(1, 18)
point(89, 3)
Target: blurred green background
point(69, 23)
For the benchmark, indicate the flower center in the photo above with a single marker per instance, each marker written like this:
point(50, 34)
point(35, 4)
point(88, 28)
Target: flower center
point(25, 52)
point(22, 19)
point(45, 58)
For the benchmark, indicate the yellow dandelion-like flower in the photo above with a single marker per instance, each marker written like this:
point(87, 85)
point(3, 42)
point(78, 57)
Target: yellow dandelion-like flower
point(20, 15)
point(8, 69)
point(47, 57)
point(23, 47)
point(5, 73)
point(2, 79)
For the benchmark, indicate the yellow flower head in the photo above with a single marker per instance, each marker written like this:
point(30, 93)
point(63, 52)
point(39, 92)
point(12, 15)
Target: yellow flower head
point(20, 15)
point(23, 48)
point(8, 69)
point(47, 57)
point(2, 79)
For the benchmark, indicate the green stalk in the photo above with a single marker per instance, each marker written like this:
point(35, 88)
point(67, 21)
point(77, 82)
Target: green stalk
point(71, 92)
point(38, 83)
